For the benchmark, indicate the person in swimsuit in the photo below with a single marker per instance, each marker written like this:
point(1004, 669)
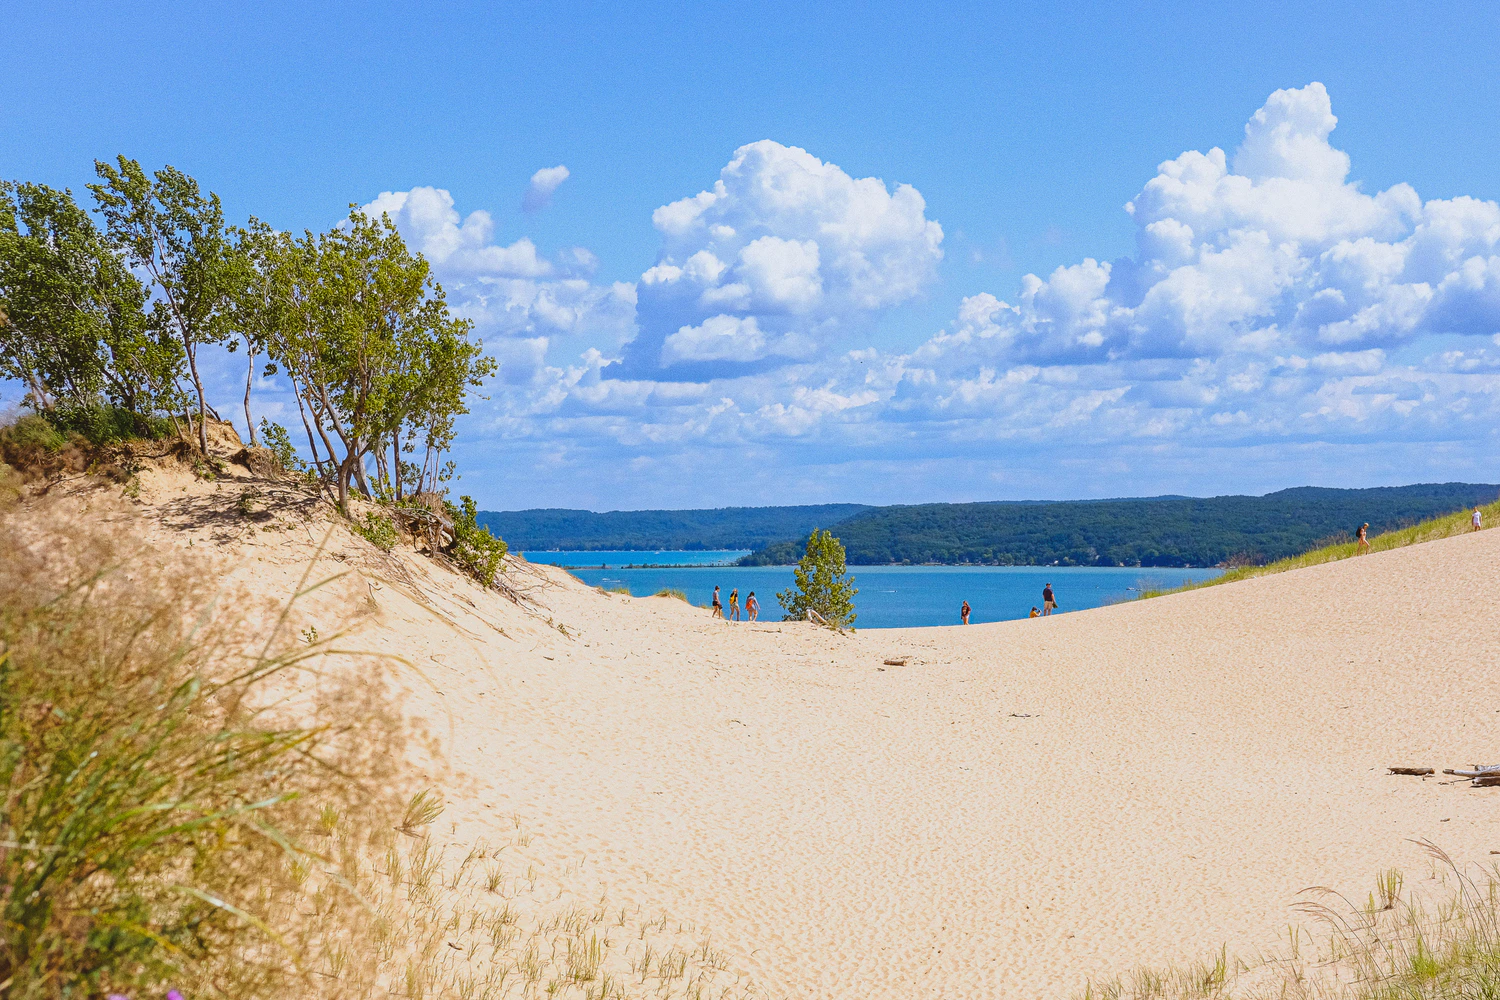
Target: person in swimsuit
point(1362, 540)
point(1048, 603)
point(963, 612)
point(734, 604)
point(752, 607)
point(1476, 519)
point(718, 608)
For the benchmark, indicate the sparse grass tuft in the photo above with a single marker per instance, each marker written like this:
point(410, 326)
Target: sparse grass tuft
point(1396, 947)
point(672, 592)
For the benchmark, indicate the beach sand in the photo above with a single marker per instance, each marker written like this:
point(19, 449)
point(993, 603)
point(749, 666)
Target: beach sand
point(1020, 808)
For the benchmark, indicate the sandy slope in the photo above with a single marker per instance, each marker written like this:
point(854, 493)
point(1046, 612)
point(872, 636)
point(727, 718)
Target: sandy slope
point(1023, 806)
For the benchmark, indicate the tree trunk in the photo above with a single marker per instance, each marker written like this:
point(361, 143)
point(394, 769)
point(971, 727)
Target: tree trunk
point(192, 356)
point(249, 376)
point(395, 456)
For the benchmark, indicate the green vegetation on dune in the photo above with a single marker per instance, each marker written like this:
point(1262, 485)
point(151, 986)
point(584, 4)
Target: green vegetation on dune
point(647, 530)
point(1457, 523)
point(1160, 531)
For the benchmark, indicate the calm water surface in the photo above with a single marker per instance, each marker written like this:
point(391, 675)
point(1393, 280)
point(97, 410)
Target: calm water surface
point(889, 596)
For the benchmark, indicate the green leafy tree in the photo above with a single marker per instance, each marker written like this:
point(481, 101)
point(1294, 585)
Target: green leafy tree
point(167, 227)
point(822, 584)
point(73, 325)
point(365, 335)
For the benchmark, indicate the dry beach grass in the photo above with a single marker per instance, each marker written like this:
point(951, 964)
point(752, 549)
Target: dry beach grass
point(639, 800)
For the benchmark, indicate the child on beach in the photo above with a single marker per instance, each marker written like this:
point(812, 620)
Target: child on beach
point(718, 608)
point(752, 607)
point(1475, 519)
point(734, 604)
point(963, 612)
point(1034, 612)
point(1361, 539)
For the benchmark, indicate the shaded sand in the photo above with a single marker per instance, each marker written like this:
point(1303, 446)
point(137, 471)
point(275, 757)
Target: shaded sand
point(1023, 806)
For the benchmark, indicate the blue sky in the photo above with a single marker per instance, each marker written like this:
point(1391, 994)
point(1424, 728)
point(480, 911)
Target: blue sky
point(852, 318)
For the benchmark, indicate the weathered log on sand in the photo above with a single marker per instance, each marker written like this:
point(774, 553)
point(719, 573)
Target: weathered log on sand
point(1412, 770)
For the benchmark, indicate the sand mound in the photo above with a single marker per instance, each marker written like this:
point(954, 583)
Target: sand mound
point(1021, 807)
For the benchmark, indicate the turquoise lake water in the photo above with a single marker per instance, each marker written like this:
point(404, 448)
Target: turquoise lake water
point(889, 596)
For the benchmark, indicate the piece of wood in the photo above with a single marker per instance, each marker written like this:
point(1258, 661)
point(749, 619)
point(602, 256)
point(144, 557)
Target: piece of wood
point(1412, 770)
point(1473, 772)
point(1485, 780)
point(899, 661)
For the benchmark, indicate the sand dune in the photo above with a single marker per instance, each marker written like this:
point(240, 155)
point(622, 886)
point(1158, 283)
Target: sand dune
point(1021, 807)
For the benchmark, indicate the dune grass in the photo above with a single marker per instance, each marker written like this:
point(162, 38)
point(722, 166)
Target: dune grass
point(1439, 943)
point(193, 798)
point(157, 823)
point(672, 592)
point(1343, 548)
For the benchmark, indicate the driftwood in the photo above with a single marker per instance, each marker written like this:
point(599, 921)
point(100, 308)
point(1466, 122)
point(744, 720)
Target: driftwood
point(813, 616)
point(899, 661)
point(1412, 770)
point(1480, 775)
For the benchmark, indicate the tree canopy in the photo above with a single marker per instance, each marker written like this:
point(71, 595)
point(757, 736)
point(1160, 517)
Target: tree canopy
point(114, 313)
point(821, 584)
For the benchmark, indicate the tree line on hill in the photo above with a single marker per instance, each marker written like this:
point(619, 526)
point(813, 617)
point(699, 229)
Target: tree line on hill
point(651, 530)
point(1162, 531)
point(104, 323)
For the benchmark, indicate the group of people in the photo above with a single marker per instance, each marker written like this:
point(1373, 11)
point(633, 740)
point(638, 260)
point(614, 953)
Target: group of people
point(752, 606)
point(1049, 605)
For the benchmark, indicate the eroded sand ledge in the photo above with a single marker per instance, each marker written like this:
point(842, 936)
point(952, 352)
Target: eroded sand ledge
point(1023, 806)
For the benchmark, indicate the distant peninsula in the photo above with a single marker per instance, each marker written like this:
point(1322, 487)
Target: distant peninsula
point(1167, 531)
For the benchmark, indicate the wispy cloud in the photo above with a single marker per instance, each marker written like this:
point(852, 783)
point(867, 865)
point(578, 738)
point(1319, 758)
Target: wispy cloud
point(544, 183)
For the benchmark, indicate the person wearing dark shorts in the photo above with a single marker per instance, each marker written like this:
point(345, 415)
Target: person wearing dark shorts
point(1049, 604)
point(718, 607)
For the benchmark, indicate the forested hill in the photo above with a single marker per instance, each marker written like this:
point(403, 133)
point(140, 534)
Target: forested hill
point(1160, 531)
point(721, 528)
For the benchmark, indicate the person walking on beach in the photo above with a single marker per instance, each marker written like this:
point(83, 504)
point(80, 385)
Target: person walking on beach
point(752, 607)
point(1362, 539)
point(718, 608)
point(1048, 603)
point(1476, 519)
point(734, 604)
point(963, 612)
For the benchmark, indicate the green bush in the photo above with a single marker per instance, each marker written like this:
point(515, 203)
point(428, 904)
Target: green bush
point(276, 439)
point(477, 551)
point(379, 530)
point(671, 592)
point(100, 424)
point(822, 584)
point(35, 432)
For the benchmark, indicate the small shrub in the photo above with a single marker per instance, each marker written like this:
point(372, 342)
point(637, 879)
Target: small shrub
point(672, 592)
point(35, 431)
point(476, 551)
point(275, 439)
point(822, 584)
point(379, 530)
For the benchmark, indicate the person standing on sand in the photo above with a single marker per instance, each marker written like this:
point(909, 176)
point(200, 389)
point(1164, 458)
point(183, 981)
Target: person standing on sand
point(1362, 539)
point(963, 612)
point(734, 604)
point(1476, 519)
point(1048, 603)
point(752, 607)
point(718, 608)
